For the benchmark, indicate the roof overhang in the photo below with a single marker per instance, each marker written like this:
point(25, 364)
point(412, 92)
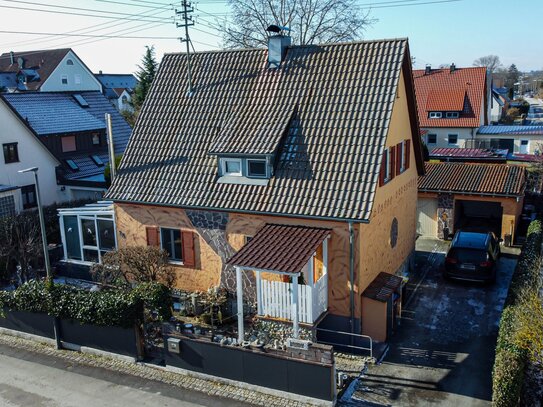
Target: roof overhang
point(280, 248)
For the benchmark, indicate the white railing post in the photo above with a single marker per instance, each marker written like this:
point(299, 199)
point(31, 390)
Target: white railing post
point(239, 287)
point(295, 325)
point(259, 293)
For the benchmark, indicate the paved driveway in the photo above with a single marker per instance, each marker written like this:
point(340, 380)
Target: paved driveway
point(444, 350)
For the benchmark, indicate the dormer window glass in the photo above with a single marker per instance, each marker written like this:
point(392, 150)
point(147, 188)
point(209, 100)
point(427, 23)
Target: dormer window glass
point(231, 167)
point(435, 115)
point(257, 168)
point(452, 115)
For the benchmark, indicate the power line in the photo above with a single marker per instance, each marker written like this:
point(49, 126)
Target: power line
point(86, 30)
point(135, 5)
point(77, 14)
point(89, 35)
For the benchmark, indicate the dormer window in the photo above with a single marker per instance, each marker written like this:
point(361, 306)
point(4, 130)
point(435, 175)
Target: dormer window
point(452, 115)
point(231, 167)
point(435, 115)
point(257, 169)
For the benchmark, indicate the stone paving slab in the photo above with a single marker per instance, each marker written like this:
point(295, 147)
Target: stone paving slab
point(209, 387)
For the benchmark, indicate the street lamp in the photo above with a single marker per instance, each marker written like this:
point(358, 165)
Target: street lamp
point(42, 221)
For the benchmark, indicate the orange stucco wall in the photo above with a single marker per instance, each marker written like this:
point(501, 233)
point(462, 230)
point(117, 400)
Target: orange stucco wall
point(396, 199)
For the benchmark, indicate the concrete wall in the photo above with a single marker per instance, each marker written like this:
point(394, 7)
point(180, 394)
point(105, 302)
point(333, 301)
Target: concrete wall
point(31, 154)
point(54, 82)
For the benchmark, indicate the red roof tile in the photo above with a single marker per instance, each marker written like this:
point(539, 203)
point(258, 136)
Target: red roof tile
point(471, 178)
point(280, 248)
point(442, 90)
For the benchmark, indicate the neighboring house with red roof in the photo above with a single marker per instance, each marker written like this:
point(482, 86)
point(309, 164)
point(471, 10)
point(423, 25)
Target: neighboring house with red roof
point(56, 70)
point(452, 103)
point(470, 195)
point(293, 168)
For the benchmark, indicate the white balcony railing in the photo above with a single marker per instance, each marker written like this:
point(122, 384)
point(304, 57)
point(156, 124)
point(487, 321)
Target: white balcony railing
point(277, 300)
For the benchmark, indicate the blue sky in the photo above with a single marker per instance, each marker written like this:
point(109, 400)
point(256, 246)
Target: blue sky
point(441, 33)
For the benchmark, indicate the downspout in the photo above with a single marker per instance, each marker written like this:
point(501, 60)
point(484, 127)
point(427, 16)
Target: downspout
point(351, 271)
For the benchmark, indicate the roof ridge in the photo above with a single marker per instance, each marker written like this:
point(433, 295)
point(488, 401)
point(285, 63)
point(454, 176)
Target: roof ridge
point(326, 44)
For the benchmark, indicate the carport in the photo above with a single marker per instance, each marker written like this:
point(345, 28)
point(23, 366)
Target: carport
point(477, 196)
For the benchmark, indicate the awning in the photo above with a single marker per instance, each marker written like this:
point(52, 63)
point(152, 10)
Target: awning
point(382, 287)
point(280, 248)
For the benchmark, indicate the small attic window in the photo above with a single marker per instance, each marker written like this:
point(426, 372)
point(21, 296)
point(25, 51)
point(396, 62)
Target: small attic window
point(72, 165)
point(231, 166)
point(97, 160)
point(69, 62)
point(81, 100)
point(452, 115)
point(257, 168)
point(435, 115)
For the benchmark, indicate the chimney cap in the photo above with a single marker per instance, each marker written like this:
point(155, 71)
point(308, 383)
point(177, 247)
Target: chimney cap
point(277, 28)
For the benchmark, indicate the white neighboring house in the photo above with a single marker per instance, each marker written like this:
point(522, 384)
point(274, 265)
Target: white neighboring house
point(64, 135)
point(21, 149)
point(118, 88)
point(49, 71)
point(452, 104)
point(515, 138)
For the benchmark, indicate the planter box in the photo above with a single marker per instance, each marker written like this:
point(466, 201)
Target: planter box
point(30, 323)
point(106, 338)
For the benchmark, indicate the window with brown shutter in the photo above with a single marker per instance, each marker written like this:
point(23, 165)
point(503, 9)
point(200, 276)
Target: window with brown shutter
point(407, 153)
point(392, 163)
point(399, 156)
point(153, 237)
point(189, 257)
point(382, 172)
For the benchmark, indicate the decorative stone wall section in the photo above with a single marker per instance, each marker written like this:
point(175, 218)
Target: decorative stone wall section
point(445, 215)
point(212, 228)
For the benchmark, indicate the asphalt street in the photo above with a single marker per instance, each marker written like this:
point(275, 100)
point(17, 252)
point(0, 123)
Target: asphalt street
point(31, 379)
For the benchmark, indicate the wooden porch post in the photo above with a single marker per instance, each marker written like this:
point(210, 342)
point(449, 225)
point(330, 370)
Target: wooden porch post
point(295, 325)
point(239, 287)
point(259, 293)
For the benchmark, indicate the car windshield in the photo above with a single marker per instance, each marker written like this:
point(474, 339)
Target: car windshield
point(469, 255)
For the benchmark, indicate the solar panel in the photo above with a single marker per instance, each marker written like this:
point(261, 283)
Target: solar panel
point(72, 165)
point(81, 100)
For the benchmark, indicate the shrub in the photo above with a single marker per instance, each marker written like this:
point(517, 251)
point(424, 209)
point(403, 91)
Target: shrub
point(520, 336)
point(108, 307)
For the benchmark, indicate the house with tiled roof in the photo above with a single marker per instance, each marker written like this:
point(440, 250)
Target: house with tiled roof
point(64, 135)
point(56, 70)
point(452, 104)
point(286, 175)
point(470, 196)
point(118, 88)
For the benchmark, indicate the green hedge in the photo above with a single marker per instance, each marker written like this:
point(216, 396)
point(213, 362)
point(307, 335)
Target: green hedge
point(511, 356)
point(107, 307)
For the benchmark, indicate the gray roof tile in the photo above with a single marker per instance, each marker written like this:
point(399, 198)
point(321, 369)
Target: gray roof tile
point(328, 162)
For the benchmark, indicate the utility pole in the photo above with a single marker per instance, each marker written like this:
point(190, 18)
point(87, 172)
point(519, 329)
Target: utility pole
point(111, 148)
point(186, 16)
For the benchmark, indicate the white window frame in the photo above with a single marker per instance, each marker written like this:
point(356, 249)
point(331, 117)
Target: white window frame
point(452, 115)
point(256, 160)
point(170, 260)
point(231, 174)
point(62, 78)
point(449, 139)
point(428, 138)
point(435, 115)
point(77, 79)
point(527, 146)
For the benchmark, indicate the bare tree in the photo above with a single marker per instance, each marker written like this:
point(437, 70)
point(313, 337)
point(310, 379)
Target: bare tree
point(21, 241)
point(139, 264)
point(310, 21)
point(492, 62)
